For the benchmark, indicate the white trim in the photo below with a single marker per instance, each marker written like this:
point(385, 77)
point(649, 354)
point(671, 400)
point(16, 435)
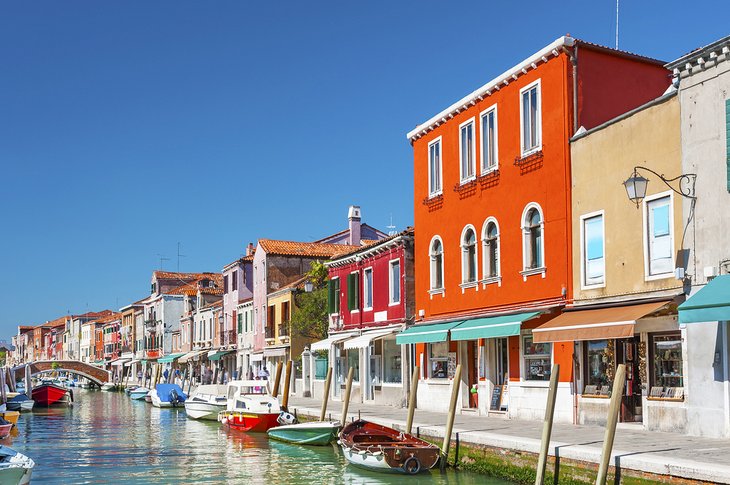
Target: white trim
point(482, 170)
point(464, 261)
point(582, 219)
point(392, 302)
point(544, 54)
point(590, 325)
point(498, 277)
point(441, 167)
point(538, 123)
point(432, 290)
point(471, 121)
point(457, 329)
point(645, 234)
point(526, 271)
point(370, 292)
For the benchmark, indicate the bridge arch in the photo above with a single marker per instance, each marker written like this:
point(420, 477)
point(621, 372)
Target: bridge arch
point(95, 374)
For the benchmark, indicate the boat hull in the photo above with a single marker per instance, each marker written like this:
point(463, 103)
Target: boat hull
point(203, 410)
point(248, 422)
point(317, 434)
point(49, 394)
point(15, 468)
point(138, 395)
point(5, 430)
point(11, 417)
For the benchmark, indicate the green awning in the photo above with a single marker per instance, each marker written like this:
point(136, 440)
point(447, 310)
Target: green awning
point(170, 358)
point(216, 355)
point(144, 361)
point(491, 327)
point(710, 304)
point(429, 333)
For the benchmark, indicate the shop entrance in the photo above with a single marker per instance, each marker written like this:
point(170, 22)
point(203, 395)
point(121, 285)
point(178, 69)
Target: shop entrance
point(627, 352)
point(470, 375)
point(501, 362)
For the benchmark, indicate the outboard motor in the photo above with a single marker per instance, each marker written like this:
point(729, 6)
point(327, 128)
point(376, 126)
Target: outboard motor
point(174, 398)
point(286, 418)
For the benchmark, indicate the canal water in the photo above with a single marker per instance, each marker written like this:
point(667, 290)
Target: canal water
point(105, 437)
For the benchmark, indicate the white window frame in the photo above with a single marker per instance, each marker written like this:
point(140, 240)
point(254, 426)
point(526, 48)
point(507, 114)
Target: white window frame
point(538, 124)
point(526, 270)
point(524, 358)
point(464, 260)
point(440, 189)
point(483, 169)
point(486, 279)
point(391, 281)
point(464, 179)
point(584, 284)
point(339, 295)
point(433, 290)
point(645, 229)
point(367, 292)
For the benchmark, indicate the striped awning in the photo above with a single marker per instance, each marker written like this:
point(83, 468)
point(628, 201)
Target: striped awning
point(491, 327)
point(426, 333)
point(190, 355)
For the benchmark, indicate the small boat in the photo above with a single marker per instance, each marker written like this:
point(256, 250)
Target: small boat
point(129, 389)
point(250, 407)
point(167, 396)
point(313, 433)
point(15, 468)
point(375, 447)
point(109, 386)
point(139, 393)
point(11, 417)
point(5, 428)
point(206, 402)
point(48, 393)
point(19, 402)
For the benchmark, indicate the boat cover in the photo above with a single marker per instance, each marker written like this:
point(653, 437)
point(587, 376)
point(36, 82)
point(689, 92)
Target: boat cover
point(163, 392)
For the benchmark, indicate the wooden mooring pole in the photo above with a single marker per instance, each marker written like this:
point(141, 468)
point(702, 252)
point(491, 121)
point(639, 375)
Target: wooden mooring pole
point(277, 378)
point(346, 397)
point(613, 410)
point(326, 395)
point(412, 399)
point(547, 428)
point(455, 387)
point(287, 382)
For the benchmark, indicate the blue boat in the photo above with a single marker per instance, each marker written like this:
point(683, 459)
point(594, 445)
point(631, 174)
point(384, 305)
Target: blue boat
point(167, 396)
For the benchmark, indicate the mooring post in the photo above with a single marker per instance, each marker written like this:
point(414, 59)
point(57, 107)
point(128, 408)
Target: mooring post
point(547, 428)
point(287, 381)
point(455, 386)
point(613, 410)
point(2, 389)
point(346, 397)
point(277, 378)
point(412, 399)
point(326, 395)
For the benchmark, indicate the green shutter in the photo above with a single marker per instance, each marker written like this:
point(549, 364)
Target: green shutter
point(336, 292)
point(727, 140)
point(330, 297)
point(240, 323)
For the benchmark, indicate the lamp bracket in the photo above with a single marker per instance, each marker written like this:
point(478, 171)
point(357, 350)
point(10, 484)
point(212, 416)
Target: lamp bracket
point(685, 182)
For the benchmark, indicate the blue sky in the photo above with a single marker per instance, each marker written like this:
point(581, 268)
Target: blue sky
point(127, 127)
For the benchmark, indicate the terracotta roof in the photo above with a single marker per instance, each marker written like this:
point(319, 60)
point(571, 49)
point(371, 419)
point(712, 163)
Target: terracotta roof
point(109, 318)
point(56, 323)
point(375, 243)
point(215, 304)
point(345, 231)
point(294, 248)
point(244, 300)
point(93, 314)
point(298, 283)
point(25, 328)
point(171, 275)
point(191, 288)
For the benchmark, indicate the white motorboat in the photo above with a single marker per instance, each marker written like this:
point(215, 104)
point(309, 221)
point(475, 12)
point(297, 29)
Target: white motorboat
point(139, 393)
point(15, 468)
point(206, 402)
point(167, 396)
point(250, 407)
point(109, 386)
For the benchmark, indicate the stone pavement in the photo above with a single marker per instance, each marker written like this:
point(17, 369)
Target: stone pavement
point(668, 454)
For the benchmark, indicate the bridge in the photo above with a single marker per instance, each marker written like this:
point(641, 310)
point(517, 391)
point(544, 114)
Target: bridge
point(95, 374)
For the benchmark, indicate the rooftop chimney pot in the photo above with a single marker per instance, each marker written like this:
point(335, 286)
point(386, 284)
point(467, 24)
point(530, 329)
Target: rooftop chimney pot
point(353, 217)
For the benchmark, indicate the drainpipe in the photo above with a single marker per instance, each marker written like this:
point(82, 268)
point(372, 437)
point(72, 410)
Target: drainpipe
point(573, 56)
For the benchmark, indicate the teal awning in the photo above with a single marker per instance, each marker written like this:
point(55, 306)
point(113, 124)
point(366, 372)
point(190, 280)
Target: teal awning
point(216, 355)
point(710, 304)
point(170, 358)
point(418, 334)
point(491, 327)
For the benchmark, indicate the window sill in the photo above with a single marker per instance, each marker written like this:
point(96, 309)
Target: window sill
point(393, 303)
point(367, 309)
point(491, 280)
point(533, 271)
point(437, 291)
point(594, 396)
point(667, 399)
point(662, 276)
point(596, 286)
point(471, 284)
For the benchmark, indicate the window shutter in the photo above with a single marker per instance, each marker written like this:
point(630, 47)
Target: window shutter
point(330, 297)
point(727, 138)
point(351, 292)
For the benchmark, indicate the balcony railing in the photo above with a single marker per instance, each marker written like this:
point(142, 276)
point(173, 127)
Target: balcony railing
point(284, 329)
point(269, 332)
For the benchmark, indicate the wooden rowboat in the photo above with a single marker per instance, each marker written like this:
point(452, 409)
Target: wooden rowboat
point(375, 447)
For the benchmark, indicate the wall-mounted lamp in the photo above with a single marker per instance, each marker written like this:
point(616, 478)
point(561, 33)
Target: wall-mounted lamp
point(308, 286)
point(636, 185)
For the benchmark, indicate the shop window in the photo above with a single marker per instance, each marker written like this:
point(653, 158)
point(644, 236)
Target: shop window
point(659, 236)
point(596, 361)
point(434, 167)
point(667, 370)
point(593, 243)
point(467, 151)
point(437, 265)
point(537, 359)
point(438, 360)
point(391, 362)
point(353, 361)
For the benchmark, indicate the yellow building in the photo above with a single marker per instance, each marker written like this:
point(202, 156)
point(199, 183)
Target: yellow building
point(625, 268)
point(281, 345)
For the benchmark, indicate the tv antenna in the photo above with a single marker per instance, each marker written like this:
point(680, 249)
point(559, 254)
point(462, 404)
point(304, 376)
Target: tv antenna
point(391, 227)
point(179, 256)
point(162, 258)
point(617, 1)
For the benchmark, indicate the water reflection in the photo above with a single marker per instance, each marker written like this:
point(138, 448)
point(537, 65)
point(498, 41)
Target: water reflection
point(109, 438)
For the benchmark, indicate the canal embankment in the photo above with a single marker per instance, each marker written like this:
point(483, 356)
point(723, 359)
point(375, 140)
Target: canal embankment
point(509, 449)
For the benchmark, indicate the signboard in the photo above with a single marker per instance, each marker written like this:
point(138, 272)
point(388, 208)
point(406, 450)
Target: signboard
point(451, 369)
point(496, 399)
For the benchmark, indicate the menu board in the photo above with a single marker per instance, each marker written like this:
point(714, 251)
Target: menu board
point(452, 365)
point(496, 398)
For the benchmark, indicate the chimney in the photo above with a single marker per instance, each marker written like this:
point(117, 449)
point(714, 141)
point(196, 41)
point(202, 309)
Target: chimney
point(250, 249)
point(353, 217)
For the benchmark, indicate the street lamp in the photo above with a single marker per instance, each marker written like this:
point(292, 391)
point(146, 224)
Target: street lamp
point(636, 185)
point(308, 286)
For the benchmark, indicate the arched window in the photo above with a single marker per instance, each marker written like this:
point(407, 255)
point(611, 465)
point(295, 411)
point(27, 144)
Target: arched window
point(437, 264)
point(533, 240)
point(469, 256)
point(490, 246)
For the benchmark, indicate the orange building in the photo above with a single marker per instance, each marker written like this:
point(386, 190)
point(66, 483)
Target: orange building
point(493, 222)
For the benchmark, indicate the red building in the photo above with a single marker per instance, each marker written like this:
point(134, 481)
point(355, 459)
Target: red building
point(492, 221)
point(370, 299)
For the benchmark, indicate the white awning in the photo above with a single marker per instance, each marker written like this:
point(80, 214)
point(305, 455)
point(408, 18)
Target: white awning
point(363, 341)
point(257, 357)
point(275, 352)
point(330, 341)
point(190, 355)
point(129, 364)
point(119, 362)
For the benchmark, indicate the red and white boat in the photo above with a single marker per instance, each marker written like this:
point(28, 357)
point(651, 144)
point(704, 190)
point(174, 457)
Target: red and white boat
point(48, 393)
point(250, 407)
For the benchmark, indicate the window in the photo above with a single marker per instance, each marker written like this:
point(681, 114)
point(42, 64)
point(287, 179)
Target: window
point(490, 243)
point(353, 292)
point(438, 359)
point(240, 323)
point(594, 265)
point(353, 361)
point(234, 280)
point(596, 361)
point(225, 283)
point(434, 167)
point(467, 153)
point(333, 296)
point(667, 357)
point(537, 359)
point(394, 282)
point(367, 291)
point(469, 256)
point(533, 239)
point(659, 236)
point(437, 265)
point(530, 114)
point(391, 362)
point(489, 139)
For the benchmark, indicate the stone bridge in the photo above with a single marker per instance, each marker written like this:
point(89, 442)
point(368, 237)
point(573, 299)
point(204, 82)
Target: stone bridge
point(95, 374)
